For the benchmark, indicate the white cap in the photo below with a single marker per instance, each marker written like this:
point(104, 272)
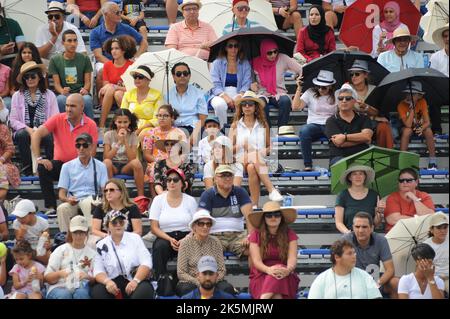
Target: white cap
point(23, 208)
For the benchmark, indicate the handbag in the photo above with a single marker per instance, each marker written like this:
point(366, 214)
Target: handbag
point(142, 203)
point(166, 285)
point(97, 201)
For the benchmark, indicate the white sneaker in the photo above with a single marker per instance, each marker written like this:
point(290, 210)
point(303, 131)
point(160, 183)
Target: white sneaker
point(275, 195)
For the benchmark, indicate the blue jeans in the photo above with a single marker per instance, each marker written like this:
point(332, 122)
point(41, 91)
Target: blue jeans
point(308, 134)
point(88, 105)
point(284, 109)
point(64, 293)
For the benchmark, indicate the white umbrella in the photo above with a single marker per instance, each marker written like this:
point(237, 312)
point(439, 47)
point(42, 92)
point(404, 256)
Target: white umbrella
point(405, 234)
point(218, 14)
point(161, 63)
point(29, 14)
point(435, 18)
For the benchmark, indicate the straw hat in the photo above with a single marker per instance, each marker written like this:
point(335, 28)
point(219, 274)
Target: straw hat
point(186, 2)
point(370, 173)
point(173, 136)
point(289, 214)
point(251, 96)
point(28, 66)
point(437, 36)
point(402, 32)
point(286, 131)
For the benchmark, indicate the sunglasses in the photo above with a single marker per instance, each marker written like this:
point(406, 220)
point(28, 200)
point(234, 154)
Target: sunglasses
point(273, 214)
point(272, 52)
point(30, 76)
point(406, 180)
point(54, 16)
point(355, 74)
point(169, 143)
point(84, 145)
point(173, 179)
point(203, 224)
point(118, 221)
point(111, 190)
point(232, 45)
point(243, 8)
point(163, 116)
point(182, 73)
point(345, 98)
point(247, 104)
point(138, 76)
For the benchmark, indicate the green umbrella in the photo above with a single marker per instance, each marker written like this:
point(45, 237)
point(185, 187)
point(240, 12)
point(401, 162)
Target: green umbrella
point(386, 163)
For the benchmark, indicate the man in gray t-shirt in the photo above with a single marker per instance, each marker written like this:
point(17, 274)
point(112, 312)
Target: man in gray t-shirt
point(371, 249)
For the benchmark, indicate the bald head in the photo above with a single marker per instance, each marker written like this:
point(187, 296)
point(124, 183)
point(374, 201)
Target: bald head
point(74, 106)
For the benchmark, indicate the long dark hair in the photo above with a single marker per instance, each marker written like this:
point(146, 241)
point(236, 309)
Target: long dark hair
point(331, 98)
point(126, 43)
point(42, 85)
point(124, 112)
point(18, 62)
point(281, 240)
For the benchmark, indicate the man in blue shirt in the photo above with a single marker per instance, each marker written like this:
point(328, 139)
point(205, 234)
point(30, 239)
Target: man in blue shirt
point(207, 277)
point(80, 183)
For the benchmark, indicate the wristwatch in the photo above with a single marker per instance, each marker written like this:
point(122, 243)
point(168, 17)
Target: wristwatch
point(137, 280)
point(39, 158)
point(432, 282)
point(418, 200)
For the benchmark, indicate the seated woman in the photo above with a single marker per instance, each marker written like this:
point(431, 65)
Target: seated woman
point(170, 215)
point(122, 49)
point(222, 153)
point(122, 264)
point(69, 269)
point(321, 104)
point(269, 68)
point(231, 76)
point(357, 198)
point(195, 245)
point(407, 201)
point(176, 149)
point(115, 199)
point(385, 30)
point(250, 134)
point(120, 148)
point(423, 283)
point(359, 80)
point(273, 253)
point(143, 101)
point(31, 106)
point(166, 116)
point(316, 39)
point(9, 173)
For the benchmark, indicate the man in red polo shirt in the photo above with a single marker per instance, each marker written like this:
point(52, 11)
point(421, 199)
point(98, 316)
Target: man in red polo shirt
point(65, 127)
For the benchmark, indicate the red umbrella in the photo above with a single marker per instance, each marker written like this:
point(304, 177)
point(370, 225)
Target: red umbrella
point(363, 15)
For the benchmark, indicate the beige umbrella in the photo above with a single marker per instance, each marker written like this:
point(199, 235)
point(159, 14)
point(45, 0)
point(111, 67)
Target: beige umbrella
point(405, 234)
point(435, 18)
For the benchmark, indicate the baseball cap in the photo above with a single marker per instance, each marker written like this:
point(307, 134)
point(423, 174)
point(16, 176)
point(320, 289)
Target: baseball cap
point(207, 263)
point(84, 136)
point(23, 208)
point(78, 223)
point(438, 219)
point(224, 169)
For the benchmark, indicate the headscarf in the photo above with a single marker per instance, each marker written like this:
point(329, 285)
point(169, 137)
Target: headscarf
point(267, 70)
point(317, 32)
point(391, 26)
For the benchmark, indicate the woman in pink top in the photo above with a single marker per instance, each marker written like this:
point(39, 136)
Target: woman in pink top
point(122, 49)
point(408, 201)
point(269, 68)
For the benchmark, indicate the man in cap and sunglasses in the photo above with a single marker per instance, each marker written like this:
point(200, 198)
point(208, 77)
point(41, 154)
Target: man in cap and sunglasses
point(49, 36)
point(240, 9)
point(81, 181)
point(347, 131)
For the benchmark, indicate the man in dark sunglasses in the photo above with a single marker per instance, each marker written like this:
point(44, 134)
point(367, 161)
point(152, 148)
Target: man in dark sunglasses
point(80, 182)
point(240, 9)
point(49, 36)
point(347, 131)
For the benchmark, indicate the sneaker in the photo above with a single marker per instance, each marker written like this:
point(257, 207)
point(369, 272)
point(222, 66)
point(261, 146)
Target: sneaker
point(275, 195)
point(51, 212)
point(432, 166)
point(255, 207)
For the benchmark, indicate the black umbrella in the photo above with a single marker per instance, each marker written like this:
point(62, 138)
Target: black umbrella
point(339, 62)
point(387, 94)
point(250, 39)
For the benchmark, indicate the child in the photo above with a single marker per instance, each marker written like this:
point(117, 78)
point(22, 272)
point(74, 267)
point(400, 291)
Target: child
point(133, 15)
point(413, 112)
point(212, 129)
point(25, 271)
point(5, 72)
point(120, 148)
point(29, 227)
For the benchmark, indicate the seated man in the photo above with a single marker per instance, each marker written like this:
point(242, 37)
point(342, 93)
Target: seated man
point(348, 132)
point(334, 11)
point(81, 181)
point(11, 38)
point(191, 36)
point(286, 15)
point(71, 71)
point(371, 250)
point(229, 205)
point(49, 36)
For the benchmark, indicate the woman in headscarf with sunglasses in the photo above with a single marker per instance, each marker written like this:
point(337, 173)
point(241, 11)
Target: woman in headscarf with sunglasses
point(269, 68)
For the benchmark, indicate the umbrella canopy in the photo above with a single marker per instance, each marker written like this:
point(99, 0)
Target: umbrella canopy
point(251, 48)
point(386, 95)
point(339, 62)
point(386, 163)
point(363, 15)
point(405, 234)
point(161, 63)
point(435, 18)
point(29, 14)
point(218, 14)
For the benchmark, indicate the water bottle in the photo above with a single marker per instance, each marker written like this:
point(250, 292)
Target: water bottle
point(288, 200)
point(40, 249)
point(35, 283)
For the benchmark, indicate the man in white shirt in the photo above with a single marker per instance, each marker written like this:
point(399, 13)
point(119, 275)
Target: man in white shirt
point(49, 36)
point(439, 59)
